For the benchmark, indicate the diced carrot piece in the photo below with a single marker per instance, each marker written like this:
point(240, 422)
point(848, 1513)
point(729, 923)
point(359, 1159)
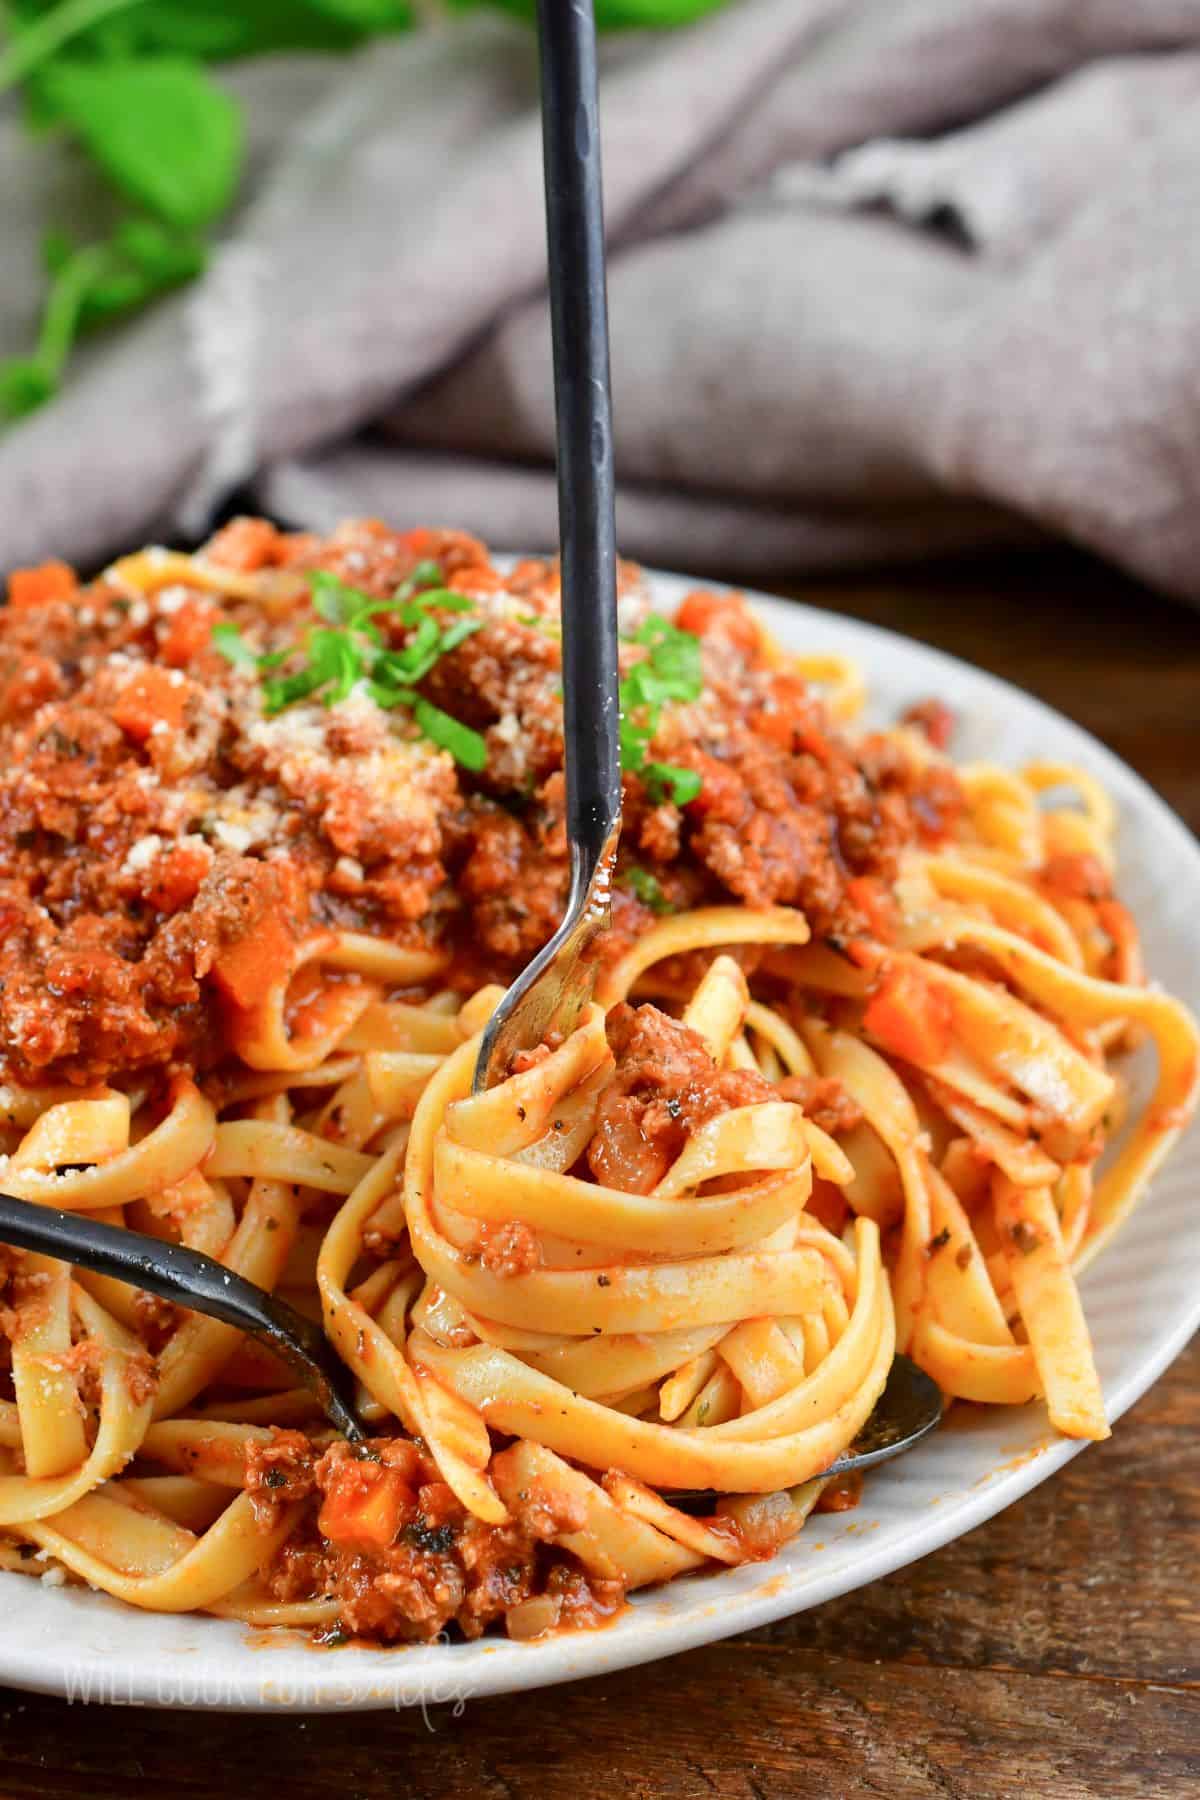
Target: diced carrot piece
point(36, 587)
point(909, 1016)
point(366, 1514)
point(246, 545)
point(786, 718)
point(149, 699)
point(722, 615)
point(777, 727)
point(1075, 875)
point(190, 632)
point(864, 954)
point(875, 903)
point(175, 878)
point(419, 542)
point(247, 969)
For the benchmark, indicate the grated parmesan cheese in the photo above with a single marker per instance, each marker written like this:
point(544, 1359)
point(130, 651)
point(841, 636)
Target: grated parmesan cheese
point(139, 856)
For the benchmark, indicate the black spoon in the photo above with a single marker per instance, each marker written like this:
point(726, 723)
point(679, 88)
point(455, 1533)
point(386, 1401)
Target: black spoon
point(906, 1411)
point(909, 1407)
point(189, 1279)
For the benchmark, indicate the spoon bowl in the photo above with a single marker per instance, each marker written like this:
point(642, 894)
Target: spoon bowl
point(908, 1409)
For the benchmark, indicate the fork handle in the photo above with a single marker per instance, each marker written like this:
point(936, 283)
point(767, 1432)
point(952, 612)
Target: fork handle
point(583, 404)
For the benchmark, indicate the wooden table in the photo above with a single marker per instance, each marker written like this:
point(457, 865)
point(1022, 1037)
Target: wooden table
point(1053, 1652)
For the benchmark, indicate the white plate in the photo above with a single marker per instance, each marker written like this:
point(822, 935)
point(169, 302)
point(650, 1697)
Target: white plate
point(1142, 1301)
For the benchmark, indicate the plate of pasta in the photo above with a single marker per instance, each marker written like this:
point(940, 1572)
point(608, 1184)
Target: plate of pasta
point(892, 1049)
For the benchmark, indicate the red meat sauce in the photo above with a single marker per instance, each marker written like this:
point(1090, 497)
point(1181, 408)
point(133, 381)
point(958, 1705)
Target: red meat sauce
point(665, 1086)
point(152, 819)
point(383, 1536)
point(379, 1532)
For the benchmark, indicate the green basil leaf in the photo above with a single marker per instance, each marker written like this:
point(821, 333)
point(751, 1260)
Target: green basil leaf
point(213, 33)
point(348, 672)
point(24, 386)
point(143, 260)
point(619, 15)
point(384, 694)
point(57, 250)
point(370, 16)
point(635, 741)
point(333, 658)
point(161, 130)
point(414, 662)
point(158, 251)
point(427, 573)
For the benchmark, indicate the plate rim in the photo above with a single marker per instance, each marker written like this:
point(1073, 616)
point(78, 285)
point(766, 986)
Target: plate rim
point(636, 1637)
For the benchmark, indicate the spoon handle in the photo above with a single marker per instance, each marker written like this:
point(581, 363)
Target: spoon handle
point(583, 402)
point(190, 1279)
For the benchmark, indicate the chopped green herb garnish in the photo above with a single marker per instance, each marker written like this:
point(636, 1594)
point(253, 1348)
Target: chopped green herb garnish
point(648, 889)
point(349, 647)
point(334, 601)
point(662, 779)
point(426, 574)
point(670, 671)
point(227, 638)
point(465, 746)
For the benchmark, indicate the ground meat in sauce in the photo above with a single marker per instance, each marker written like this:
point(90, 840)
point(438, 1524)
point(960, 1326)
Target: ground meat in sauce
point(279, 1470)
point(438, 1567)
point(934, 718)
point(1075, 875)
point(842, 1494)
point(824, 1099)
point(156, 1319)
point(664, 1086)
point(509, 1249)
point(150, 815)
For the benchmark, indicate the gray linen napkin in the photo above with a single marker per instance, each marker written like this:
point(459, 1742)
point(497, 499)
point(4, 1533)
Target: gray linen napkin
point(888, 277)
